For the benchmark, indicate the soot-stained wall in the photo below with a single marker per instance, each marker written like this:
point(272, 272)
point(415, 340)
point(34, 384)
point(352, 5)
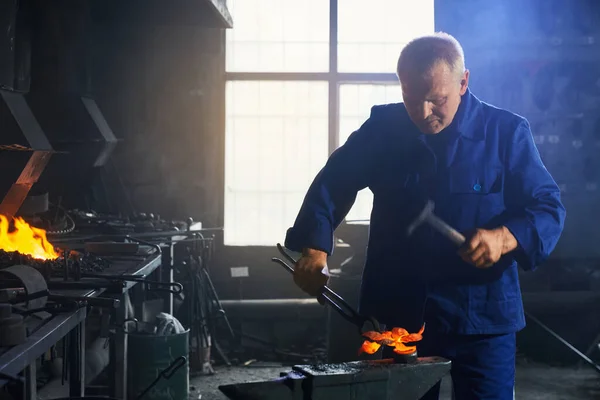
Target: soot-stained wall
point(162, 90)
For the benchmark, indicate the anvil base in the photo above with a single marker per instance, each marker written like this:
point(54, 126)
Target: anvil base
point(356, 380)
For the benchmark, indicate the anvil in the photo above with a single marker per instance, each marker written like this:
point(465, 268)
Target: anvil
point(357, 380)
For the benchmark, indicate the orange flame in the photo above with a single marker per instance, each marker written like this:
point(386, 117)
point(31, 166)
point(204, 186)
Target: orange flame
point(396, 338)
point(25, 239)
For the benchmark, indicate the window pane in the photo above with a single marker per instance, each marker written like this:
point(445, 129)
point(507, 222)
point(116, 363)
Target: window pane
point(276, 142)
point(371, 37)
point(355, 107)
point(278, 36)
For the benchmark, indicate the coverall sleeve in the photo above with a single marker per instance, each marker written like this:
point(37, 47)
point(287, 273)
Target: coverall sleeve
point(349, 169)
point(533, 200)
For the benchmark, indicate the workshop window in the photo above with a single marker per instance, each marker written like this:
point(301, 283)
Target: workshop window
point(280, 90)
point(276, 142)
point(372, 33)
point(278, 36)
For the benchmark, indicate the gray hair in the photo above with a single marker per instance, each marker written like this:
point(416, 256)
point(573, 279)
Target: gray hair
point(423, 53)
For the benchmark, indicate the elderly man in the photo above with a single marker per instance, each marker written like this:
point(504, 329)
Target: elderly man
point(480, 166)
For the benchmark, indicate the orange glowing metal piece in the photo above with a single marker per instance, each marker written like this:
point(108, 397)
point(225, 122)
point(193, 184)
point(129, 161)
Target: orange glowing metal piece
point(25, 239)
point(396, 338)
point(399, 332)
point(369, 347)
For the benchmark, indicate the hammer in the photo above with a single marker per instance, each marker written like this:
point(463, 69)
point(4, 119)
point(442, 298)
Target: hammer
point(427, 216)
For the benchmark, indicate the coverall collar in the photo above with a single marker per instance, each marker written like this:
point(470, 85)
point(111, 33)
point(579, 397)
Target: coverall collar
point(468, 120)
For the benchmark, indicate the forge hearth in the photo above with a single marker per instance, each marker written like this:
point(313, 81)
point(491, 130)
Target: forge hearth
point(55, 267)
point(357, 380)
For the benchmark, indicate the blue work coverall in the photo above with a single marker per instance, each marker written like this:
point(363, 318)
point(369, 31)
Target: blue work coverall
point(482, 171)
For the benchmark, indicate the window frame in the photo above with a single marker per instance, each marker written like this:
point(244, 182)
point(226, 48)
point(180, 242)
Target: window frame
point(333, 77)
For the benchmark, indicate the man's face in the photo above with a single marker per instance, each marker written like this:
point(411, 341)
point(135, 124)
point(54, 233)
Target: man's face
point(432, 98)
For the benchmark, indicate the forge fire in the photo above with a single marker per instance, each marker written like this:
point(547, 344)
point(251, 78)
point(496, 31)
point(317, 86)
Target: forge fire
point(25, 239)
point(398, 338)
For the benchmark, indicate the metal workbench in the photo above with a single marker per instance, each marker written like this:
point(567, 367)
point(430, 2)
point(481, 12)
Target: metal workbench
point(45, 334)
point(149, 260)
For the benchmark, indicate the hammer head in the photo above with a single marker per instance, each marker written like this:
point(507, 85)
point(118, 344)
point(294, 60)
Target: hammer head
point(421, 217)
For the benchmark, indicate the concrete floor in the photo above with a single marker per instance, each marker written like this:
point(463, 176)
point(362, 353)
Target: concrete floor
point(534, 382)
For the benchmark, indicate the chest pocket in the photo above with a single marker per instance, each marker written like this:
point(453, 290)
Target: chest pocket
point(476, 194)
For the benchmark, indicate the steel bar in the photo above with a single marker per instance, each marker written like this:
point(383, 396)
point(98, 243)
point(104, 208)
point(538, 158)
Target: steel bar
point(563, 341)
point(85, 285)
point(118, 349)
point(31, 382)
point(77, 361)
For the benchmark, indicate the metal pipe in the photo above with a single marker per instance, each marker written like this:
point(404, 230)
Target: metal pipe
point(270, 303)
point(273, 309)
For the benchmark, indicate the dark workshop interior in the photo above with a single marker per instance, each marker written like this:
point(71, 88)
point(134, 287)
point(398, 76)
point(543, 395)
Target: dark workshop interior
point(154, 153)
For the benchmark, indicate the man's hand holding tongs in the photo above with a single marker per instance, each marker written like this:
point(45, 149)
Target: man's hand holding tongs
point(310, 271)
point(311, 275)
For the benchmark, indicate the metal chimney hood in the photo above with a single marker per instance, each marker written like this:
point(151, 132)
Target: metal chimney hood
point(24, 151)
point(75, 127)
point(203, 13)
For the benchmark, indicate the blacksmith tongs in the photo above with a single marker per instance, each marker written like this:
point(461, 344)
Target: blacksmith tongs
point(332, 298)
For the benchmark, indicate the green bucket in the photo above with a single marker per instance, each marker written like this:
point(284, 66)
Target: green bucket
point(148, 356)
